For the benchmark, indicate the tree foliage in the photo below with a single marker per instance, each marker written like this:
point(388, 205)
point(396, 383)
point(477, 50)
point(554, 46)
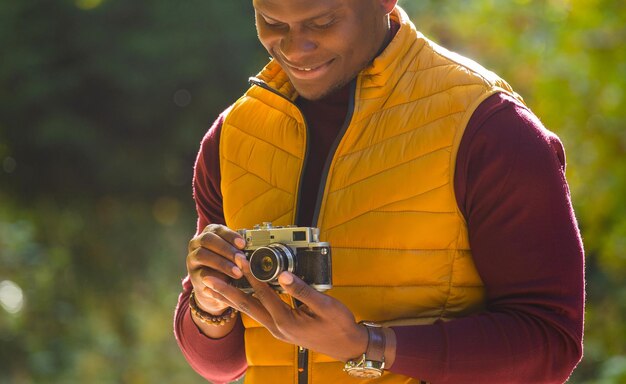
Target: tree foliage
point(103, 106)
point(104, 102)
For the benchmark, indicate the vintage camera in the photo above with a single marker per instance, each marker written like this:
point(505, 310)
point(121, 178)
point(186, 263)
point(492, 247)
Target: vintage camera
point(271, 250)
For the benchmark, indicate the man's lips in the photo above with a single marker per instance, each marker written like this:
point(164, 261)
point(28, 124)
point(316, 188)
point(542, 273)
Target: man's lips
point(308, 72)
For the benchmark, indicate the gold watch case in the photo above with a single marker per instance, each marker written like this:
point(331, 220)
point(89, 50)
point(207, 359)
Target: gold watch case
point(362, 367)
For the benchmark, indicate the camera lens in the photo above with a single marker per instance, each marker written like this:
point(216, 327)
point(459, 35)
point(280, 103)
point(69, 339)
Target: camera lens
point(266, 263)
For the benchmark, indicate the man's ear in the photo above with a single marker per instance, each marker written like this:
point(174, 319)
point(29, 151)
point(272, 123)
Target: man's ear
point(388, 5)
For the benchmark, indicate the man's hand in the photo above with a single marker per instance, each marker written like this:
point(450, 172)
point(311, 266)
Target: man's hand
point(210, 259)
point(322, 323)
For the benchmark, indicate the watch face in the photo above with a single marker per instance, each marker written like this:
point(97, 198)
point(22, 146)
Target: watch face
point(364, 368)
point(371, 324)
point(365, 373)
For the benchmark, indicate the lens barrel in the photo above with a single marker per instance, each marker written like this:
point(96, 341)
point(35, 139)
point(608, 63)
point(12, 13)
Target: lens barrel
point(267, 262)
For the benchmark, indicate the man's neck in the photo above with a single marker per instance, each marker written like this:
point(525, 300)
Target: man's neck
point(391, 32)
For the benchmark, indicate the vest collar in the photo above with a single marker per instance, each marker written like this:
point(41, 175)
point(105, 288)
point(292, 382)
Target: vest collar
point(394, 58)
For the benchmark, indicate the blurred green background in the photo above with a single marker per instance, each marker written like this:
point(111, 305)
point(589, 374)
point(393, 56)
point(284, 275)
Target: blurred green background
point(103, 104)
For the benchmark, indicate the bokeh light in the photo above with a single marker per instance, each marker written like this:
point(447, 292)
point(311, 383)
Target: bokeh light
point(11, 297)
point(88, 4)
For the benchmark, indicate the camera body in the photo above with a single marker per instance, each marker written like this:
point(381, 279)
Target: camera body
point(271, 250)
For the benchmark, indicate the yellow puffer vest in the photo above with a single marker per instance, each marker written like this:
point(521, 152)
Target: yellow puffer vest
point(400, 246)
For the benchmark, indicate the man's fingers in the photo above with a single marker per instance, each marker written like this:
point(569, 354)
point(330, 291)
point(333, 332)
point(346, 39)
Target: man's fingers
point(219, 297)
point(201, 258)
point(301, 291)
point(241, 301)
point(210, 262)
point(207, 298)
point(214, 243)
point(218, 237)
point(265, 294)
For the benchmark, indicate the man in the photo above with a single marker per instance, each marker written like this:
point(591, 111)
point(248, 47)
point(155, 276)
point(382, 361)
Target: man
point(442, 196)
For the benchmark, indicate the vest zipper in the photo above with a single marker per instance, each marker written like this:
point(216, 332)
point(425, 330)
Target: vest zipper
point(303, 353)
point(303, 365)
point(331, 153)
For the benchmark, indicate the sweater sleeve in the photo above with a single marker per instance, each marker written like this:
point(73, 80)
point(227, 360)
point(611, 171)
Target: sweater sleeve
point(510, 185)
point(218, 360)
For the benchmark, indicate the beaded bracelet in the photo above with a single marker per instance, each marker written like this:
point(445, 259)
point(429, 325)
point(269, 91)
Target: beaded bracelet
point(206, 317)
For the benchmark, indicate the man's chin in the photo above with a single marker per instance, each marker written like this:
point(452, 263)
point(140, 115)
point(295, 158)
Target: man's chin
point(313, 96)
point(317, 93)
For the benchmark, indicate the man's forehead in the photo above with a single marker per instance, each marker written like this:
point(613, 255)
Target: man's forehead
point(308, 6)
point(283, 3)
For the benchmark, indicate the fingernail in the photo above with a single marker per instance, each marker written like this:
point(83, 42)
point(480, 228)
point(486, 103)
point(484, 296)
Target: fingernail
point(237, 272)
point(285, 278)
point(240, 243)
point(239, 257)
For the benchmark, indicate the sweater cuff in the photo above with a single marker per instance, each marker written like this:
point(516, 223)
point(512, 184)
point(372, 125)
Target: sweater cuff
point(219, 360)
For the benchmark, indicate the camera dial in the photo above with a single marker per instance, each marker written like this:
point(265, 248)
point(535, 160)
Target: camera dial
point(267, 262)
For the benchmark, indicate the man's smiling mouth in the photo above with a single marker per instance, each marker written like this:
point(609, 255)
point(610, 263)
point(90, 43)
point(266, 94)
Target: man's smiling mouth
point(308, 72)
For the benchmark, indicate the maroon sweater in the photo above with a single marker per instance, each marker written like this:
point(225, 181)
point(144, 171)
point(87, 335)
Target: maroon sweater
point(511, 188)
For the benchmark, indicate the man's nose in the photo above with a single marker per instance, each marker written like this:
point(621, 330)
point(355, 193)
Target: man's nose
point(296, 44)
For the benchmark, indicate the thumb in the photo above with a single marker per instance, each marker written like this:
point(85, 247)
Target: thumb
point(301, 291)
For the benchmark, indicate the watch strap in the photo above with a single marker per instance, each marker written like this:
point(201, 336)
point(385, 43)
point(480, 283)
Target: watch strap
point(376, 343)
point(371, 363)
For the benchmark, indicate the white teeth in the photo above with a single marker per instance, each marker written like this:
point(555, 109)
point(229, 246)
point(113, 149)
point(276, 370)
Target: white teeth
point(305, 69)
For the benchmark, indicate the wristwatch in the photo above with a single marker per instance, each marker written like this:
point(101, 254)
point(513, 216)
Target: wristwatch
point(369, 365)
